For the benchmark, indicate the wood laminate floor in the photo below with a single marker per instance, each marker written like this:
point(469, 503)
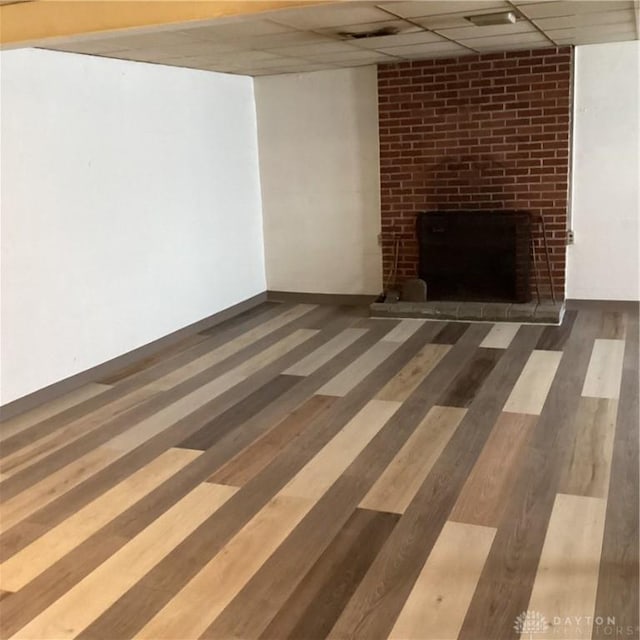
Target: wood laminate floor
point(307, 472)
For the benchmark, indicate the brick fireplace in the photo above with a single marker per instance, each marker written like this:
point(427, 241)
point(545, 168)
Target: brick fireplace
point(482, 132)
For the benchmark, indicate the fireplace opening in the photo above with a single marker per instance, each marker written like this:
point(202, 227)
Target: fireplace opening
point(475, 255)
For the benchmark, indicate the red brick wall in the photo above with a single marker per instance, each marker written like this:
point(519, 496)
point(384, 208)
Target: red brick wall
point(478, 132)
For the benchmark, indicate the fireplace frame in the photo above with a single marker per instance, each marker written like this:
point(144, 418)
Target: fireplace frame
point(475, 255)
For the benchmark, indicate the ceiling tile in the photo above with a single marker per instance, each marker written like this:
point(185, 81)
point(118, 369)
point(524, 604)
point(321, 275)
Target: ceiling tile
point(587, 19)
point(353, 56)
point(402, 26)
point(399, 40)
point(96, 47)
point(305, 67)
point(419, 9)
point(425, 50)
point(363, 63)
point(593, 38)
point(148, 40)
point(280, 61)
point(335, 15)
point(472, 31)
point(238, 58)
point(518, 46)
point(192, 50)
point(298, 68)
point(494, 43)
point(290, 38)
point(589, 35)
point(573, 7)
point(315, 48)
point(233, 30)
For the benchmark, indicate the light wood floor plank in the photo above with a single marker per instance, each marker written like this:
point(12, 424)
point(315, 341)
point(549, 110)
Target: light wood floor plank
point(326, 352)
point(275, 351)
point(438, 602)
point(23, 421)
point(399, 483)
point(163, 419)
point(82, 604)
point(567, 578)
point(404, 383)
point(500, 336)
point(404, 330)
point(197, 604)
point(530, 391)
point(589, 467)
point(487, 489)
point(331, 461)
point(21, 568)
point(359, 369)
point(605, 370)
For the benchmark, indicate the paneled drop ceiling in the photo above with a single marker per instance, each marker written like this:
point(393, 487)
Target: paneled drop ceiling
point(315, 37)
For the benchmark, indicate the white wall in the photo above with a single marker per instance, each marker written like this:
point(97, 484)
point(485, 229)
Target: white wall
point(603, 263)
point(318, 138)
point(130, 208)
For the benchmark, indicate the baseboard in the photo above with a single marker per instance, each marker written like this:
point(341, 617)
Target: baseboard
point(101, 371)
point(321, 298)
point(605, 305)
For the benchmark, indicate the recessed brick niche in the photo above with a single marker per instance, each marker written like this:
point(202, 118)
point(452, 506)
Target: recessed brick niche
point(479, 132)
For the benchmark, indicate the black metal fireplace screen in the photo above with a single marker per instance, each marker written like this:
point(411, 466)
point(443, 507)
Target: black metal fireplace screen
point(475, 255)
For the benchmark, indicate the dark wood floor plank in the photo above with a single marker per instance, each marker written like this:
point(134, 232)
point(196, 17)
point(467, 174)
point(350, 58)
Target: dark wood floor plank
point(378, 601)
point(249, 462)
point(469, 381)
point(319, 599)
point(214, 430)
point(619, 583)
point(554, 338)
point(614, 325)
point(506, 582)
point(484, 496)
point(451, 333)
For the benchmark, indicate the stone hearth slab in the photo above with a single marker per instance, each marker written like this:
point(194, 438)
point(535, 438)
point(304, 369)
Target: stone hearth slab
point(543, 312)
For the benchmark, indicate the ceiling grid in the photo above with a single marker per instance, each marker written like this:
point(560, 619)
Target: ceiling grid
point(347, 34)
